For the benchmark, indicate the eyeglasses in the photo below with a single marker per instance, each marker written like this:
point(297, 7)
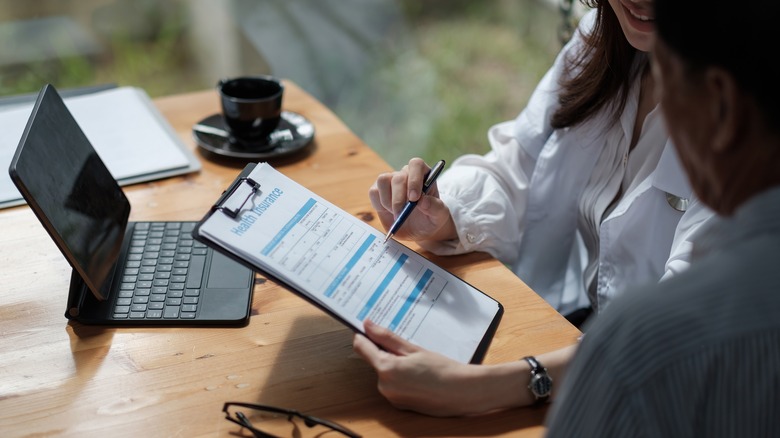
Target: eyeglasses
point(279, 422)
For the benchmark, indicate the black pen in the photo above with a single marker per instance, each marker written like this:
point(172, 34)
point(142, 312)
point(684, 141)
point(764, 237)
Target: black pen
point(430, 178)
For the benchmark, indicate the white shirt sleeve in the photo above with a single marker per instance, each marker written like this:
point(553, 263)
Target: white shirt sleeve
point(487, 196)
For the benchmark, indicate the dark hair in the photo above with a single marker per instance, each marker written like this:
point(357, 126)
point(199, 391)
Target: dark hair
point(738, 37)
point(598, 74)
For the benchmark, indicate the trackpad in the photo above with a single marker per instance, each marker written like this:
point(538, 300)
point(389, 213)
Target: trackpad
point(227, 274)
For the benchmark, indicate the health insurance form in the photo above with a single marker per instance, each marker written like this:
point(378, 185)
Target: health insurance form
point(340, 262)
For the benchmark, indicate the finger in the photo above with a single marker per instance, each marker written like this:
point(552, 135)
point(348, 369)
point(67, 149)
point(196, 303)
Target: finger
point(384, 192)
point(437, 213)
point(417, 170)
point(434, 208)
point(385, 215)
point(398, 186)
point(366, 349)
point(388, 340)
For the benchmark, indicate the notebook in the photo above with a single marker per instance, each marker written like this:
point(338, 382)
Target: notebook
point(124, 273)
point(122, 124)
point(342, 265)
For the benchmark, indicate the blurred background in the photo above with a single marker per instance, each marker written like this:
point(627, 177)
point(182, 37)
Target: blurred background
point(410, 77)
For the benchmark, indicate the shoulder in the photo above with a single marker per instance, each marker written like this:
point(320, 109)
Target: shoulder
point(679, 335)
point(730, 293)
point(588, 20)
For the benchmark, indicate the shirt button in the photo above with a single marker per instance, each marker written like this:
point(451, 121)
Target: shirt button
point(471, 238)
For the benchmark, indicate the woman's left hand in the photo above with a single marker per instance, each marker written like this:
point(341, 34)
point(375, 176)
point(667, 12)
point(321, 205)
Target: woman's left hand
point(413, 378)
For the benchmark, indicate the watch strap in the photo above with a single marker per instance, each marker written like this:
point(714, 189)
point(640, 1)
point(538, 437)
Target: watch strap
point(541, 382)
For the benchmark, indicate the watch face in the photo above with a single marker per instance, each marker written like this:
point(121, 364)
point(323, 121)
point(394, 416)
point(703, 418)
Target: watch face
point(541, 385)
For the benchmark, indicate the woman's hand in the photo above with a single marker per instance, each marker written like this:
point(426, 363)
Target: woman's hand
point(413, 378)
point(430, 220)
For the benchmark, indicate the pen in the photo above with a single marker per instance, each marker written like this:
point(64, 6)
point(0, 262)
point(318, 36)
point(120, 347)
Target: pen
point(430, 178)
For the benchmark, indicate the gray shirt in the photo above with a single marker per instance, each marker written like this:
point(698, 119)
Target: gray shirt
point(695, 355)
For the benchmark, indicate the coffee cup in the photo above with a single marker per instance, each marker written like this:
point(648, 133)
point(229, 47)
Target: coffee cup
point(251, 108)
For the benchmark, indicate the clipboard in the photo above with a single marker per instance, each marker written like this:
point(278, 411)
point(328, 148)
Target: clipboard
point(339, 263)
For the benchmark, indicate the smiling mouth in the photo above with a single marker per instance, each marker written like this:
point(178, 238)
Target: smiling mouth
point(637, 15)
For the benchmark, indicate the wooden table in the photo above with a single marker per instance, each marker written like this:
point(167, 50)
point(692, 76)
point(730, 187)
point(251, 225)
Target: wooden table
point(66, 379)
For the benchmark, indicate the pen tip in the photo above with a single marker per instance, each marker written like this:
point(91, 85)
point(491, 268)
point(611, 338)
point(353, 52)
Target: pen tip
point(387, 238)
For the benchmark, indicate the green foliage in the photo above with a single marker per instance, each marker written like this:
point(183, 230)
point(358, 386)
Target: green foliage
point(464, 66)
point(484, 60)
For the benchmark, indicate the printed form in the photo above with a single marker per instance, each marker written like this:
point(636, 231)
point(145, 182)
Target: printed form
point(342, 263)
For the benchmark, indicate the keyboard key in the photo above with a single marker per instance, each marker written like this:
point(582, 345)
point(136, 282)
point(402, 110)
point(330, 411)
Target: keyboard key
point(188, 308)
point(163, 273)
point(196, 271)
point(171, 312)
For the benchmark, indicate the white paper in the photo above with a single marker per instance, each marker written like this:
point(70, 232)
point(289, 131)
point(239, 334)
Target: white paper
point(128, 133)
point(342, 263)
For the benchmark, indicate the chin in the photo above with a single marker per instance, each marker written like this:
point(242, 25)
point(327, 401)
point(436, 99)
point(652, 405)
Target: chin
point(640, 40)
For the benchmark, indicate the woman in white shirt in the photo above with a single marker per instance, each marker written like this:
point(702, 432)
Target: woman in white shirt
point(582, 195)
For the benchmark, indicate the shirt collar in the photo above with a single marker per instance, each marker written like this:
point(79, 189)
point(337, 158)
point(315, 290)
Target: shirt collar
point(669, 174)
point(756, 216)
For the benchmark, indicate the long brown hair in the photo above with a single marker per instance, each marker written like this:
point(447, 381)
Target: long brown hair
point(598, 75)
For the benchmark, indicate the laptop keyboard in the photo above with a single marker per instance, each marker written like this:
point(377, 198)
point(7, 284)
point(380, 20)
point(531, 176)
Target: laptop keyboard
point(162, 273)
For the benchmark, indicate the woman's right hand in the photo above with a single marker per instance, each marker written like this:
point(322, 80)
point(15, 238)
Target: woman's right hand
point(430, 220)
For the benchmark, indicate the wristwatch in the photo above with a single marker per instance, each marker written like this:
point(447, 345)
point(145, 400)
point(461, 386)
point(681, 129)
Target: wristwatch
point(541, 382)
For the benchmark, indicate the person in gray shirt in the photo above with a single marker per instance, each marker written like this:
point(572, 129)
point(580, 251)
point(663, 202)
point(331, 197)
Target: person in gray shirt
point(699, 354)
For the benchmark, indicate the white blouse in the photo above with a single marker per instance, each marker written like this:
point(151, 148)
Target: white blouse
point(541, 200)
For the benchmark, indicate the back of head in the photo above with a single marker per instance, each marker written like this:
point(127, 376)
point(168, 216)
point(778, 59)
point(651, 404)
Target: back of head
point(737, 36)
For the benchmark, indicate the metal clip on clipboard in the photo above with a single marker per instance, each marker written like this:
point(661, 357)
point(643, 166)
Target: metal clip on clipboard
point(232, 205)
